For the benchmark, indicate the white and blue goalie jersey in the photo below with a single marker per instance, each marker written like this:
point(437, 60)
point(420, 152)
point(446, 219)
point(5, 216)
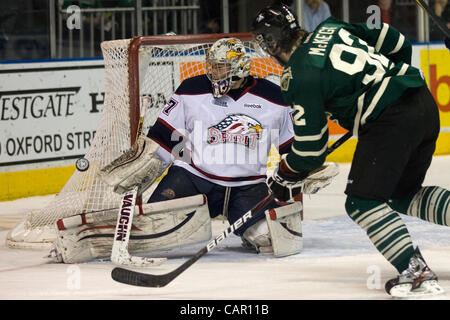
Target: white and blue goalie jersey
point(224, 140)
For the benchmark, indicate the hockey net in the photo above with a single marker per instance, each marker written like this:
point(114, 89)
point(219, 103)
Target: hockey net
point(153, 66)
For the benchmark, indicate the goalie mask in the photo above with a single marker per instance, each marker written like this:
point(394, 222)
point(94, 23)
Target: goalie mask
point(275, 30)
point(226, 63)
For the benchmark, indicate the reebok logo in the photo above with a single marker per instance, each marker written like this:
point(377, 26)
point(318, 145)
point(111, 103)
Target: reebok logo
point(252, 105)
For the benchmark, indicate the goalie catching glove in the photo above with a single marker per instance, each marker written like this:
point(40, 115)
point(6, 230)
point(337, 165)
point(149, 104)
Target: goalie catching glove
point(138, 166)
point(285, 184)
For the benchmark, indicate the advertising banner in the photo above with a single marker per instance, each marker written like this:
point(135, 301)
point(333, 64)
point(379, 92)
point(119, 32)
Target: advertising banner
point(48, 111)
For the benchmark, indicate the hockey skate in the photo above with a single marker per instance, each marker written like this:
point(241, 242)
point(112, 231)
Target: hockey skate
point(55, 255)
point(416, 281)
point(257, 238)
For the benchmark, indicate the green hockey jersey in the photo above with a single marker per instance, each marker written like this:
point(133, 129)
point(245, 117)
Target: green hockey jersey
point(345, 72)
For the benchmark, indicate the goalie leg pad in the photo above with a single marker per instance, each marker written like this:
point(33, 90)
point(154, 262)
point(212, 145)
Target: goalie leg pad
point(150, 232)
point(280, 233)
point(285, 226)
point(140, 165)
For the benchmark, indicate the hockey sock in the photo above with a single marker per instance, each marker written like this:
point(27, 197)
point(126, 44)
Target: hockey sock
point(430, 204)
point(385, 229)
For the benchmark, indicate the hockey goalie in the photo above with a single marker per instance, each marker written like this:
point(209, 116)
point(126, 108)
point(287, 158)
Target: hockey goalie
point(215, 133)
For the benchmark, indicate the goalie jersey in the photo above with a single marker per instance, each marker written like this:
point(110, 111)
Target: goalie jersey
point(224, 140)
point(348, 73)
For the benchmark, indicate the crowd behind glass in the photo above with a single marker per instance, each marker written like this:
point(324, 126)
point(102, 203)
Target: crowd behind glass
point(25, 27)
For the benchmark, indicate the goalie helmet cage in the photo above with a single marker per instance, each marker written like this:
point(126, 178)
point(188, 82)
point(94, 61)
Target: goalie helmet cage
point(153, 66)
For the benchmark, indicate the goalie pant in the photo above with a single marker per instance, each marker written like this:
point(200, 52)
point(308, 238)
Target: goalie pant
point(232, 202)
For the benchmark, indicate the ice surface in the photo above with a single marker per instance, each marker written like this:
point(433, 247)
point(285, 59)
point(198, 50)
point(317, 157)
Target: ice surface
point(338, 260)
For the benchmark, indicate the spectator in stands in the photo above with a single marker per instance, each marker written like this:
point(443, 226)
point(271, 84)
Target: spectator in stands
point(285, 2)
point(212, 26)
point(4, 37)
point(124, 3)
point(87, 19)
point(386, 10)
point(210, 16)
point(83, 4)
point(402, 17)
point(314, 12)
point(441, 9)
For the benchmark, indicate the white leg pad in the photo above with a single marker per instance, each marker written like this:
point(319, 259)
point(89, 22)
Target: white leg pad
point(152, 231)
point(285, 226)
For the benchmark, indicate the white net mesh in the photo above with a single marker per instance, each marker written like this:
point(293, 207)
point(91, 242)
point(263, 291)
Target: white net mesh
point(161, 69)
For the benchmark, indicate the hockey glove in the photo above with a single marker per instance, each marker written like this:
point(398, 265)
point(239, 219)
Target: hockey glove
point(138, 166)
point(320, 178)
point(285, 184)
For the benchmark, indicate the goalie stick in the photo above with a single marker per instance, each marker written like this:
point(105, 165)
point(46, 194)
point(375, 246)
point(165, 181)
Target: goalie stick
point(440, 23)
point(152, 280)
point(119, 253)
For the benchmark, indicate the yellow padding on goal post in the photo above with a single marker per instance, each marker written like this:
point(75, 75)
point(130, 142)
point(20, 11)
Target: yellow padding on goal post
point(443, 144)
point(21, 184)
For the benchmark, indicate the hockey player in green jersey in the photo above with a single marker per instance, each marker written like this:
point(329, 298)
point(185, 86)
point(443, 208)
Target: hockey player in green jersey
point(362, 79)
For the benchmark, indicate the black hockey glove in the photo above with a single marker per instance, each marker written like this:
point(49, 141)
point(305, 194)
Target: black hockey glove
point(285, 184)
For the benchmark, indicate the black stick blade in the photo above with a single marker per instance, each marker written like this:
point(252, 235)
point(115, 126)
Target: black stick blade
point(140, 279)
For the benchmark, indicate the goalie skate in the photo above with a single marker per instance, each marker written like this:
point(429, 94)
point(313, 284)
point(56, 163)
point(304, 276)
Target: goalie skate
point(416, 281)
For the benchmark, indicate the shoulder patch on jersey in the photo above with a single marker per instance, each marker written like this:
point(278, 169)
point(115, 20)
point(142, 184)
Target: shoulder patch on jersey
point(195, 85)
point(286, 79)
point(268, 90)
